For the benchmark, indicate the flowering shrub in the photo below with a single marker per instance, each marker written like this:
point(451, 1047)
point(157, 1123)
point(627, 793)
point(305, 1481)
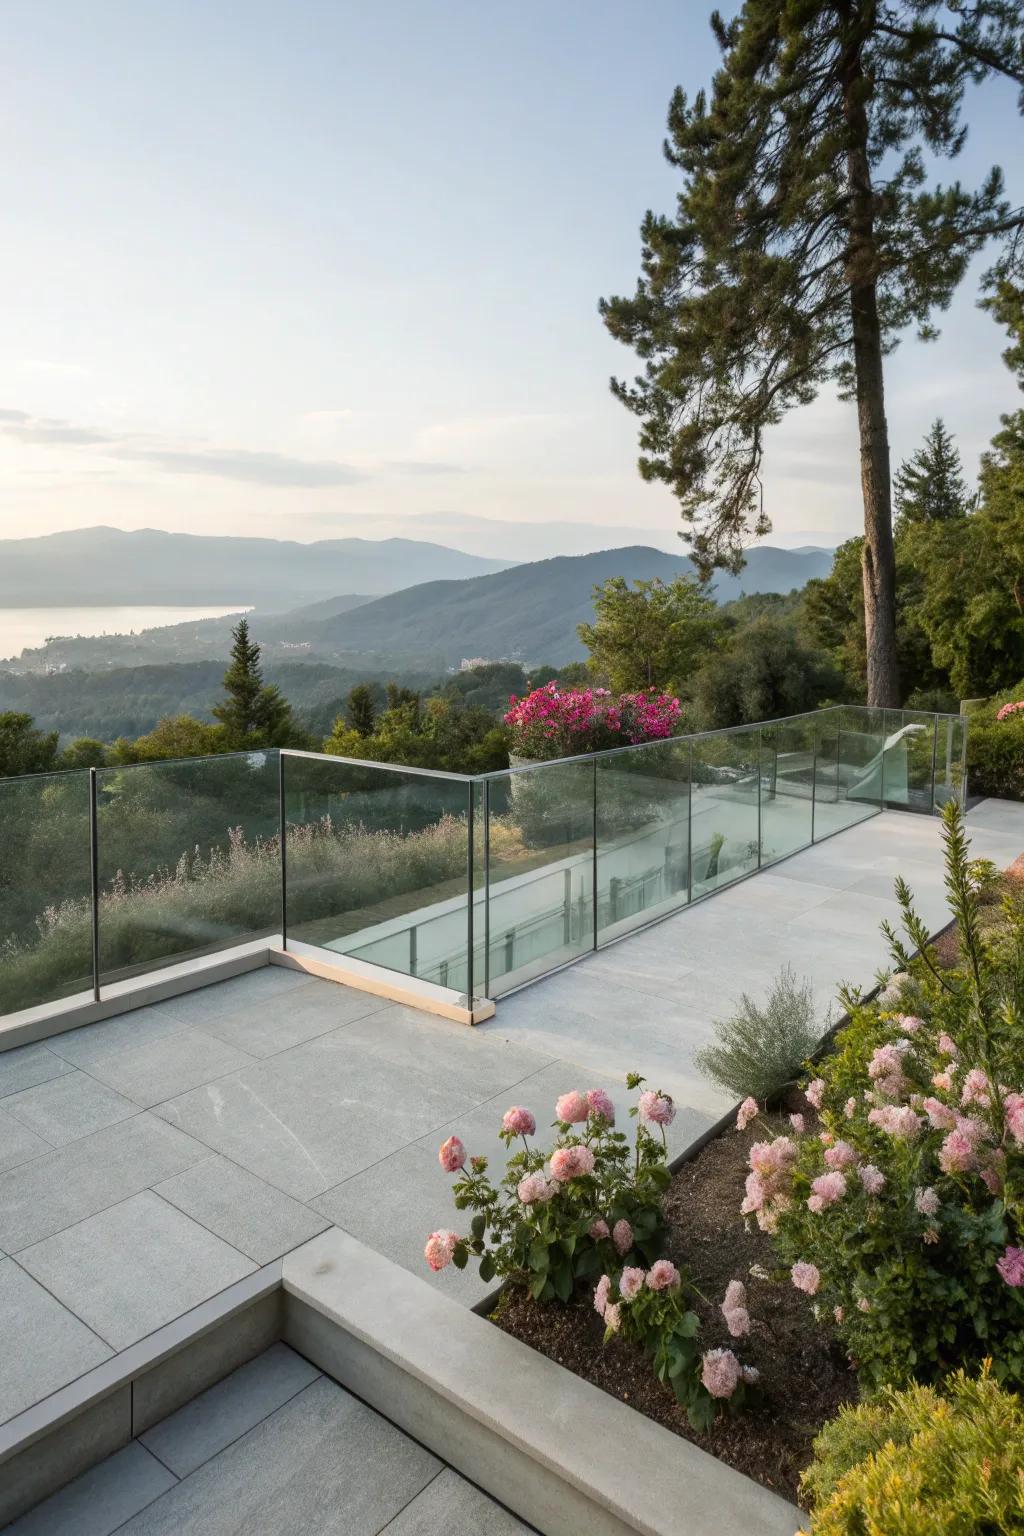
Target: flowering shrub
point(562, 1215)
point(995, 748)
point(649, 1308)
point(560, 722)
point(1010, 709)
point(921, 1463)
point(902, 1213)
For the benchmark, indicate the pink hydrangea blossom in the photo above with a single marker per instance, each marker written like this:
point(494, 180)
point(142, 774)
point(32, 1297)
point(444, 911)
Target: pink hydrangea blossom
point(631, 1282)
point(622, 1237)
point(956, 1155)
point(1007, 710)
point(747, 1111)
point(598, 1230)
point(535, 1189)
point(452, 1155)
point(842, 1155)
point(946, 1045)
point(601, 1105)
point(872, 1178)
point(572, 1108)
point(1011, 1266)
point(806, 1277)
point(519, 1121)
point(571, 1163)
point(1013, 1104)
point(926, 1201)
point(940, 1116)
point(976, 1089)
point(815, 1092)
point(613, 1316)
point(439, 1249)
point(798, 1123)
point(734, 1309)
point(826, 1189)
point(602, 1294)
point(896, 1120)
point(662, 1275)
point(656, 1108)
point(721, 1372)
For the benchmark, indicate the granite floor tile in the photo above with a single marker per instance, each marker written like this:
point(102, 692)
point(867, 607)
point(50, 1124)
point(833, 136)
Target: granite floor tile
point(28, 1065)
point(323, 1463)
point(44, 1345)
point(62, 1187)
point(17, 1143)
point(128, 1031)
point(69, 1107)
point(267, 986)
point(293, 1017)
point(244, 1210)
point(102, 1499)
point(134, 1267)
point(163, 1068)
point(204, 1427)
point(450, 1506)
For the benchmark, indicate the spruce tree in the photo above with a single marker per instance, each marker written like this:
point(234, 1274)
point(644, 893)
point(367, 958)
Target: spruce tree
point(253, 714)
point(359, 710)
point(930, 486)
point(805, 241)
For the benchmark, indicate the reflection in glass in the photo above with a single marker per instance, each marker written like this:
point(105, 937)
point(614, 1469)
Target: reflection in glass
point(724, 792)
point(643, 834)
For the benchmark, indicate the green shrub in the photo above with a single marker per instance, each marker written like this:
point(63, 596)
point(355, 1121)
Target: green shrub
point(761, 1049)
point(995, 749)
point(922, 1463)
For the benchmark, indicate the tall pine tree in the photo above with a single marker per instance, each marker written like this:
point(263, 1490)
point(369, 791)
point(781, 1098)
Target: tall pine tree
point(805, 240)
point(930, 486)
point(254, 714)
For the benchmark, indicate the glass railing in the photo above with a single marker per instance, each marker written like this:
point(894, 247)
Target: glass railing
point(108, 875)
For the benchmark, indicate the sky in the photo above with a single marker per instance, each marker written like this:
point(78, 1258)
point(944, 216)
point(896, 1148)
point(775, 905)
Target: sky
point(329, 267)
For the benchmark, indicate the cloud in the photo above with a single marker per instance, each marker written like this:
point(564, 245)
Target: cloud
point(240, 464)
point(46, 365)
point(54, 432)
point(422, 467)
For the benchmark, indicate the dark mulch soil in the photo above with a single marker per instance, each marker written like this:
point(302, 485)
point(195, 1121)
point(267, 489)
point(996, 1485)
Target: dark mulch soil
point(804, 1374)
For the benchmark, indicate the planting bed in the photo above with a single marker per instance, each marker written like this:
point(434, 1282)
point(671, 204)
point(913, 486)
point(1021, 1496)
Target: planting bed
point(804, 1375)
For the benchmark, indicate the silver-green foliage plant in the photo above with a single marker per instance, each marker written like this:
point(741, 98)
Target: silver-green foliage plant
point(762, 1047)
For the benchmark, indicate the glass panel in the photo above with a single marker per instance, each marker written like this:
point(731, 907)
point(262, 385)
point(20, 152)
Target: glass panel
point(787, 787)
point(909, 744)
point(541, 871)
point(376, 866)
point(45, 908)
point(950, 749)
point(848, 771)
point(643, 831)
point(724, 791)
point(188, 859)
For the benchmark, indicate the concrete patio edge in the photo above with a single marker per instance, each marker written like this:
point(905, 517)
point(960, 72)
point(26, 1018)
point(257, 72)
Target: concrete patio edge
point(559, 1452)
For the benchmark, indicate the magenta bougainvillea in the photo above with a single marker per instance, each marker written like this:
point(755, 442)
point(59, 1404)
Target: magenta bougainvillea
point(559, 722)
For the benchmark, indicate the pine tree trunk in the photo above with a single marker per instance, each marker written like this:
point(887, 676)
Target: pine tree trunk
point(879, 560)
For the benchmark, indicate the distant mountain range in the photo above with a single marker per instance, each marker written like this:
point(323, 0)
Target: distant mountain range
point(99, 566)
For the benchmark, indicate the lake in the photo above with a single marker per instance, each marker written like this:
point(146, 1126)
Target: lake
point(21, 628)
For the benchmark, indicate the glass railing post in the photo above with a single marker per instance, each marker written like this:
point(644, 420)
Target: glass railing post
point(935, 744)
point(471, 897)
point(487, 887)
point(94, 884)
point(594, 853)
point(689, 832)
point(814, 772)
point(282, 848)
point(760, 748)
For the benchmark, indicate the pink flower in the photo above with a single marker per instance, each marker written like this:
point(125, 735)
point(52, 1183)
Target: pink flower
point(872, 1178)
point(751, 1374)
point(657, 1108)
point(613, 1316)
point(535, 1189)
point(602, 1293)
point(975, 1130)
point(826, 1189)
point(805, 1277)
point(798, 1124)
point(1011, 1266)
point(976, 1088)
point(943, 1081)
point(631, 1282)
point(886, 1068)
point(662, 1275)
point(947, 1047)
point(842, 1155)
point(1013, 1104)
point(622, 1237)
point(734, 1309)
point(757, 1194)
point(519, 1121)
point(926, 1201)
point(601, 1105)
point(747, 1111)
point(598, 1230)
point(838, 1314)
point(909, 1023)
point(956, 1155)
point(721, 1372)
point(1010, 709)
point(439, 1249)
point(815, 1092)
point(572, 1108)
point(863, 1305)
point(850, 1108)
point(571, 1163)
point(897, 1120)
point(940, 1116)
point(826, 1138)
point(452, 1155)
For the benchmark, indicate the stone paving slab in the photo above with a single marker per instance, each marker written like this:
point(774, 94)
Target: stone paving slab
point(159, 1070)
point(68, 1107)
point(27, 1066)
point(246, 1212)
point(44, 1344)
